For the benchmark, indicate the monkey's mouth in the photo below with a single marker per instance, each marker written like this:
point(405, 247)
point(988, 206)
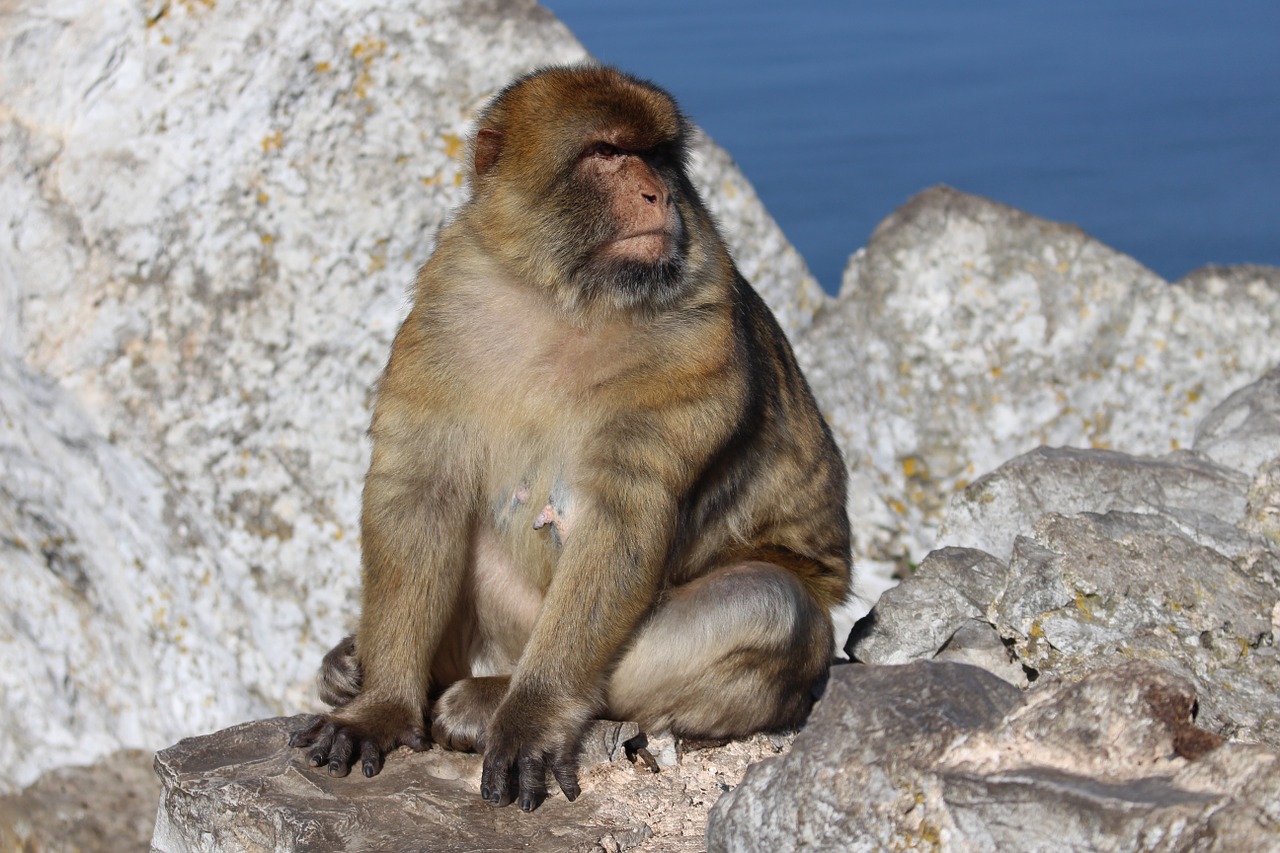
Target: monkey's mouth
point(649, 246)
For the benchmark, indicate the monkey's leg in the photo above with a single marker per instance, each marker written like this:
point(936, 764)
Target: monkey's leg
point(736, 651)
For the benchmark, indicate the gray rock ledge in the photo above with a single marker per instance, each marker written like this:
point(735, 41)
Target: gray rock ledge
point(945, 756)
point(244, 790)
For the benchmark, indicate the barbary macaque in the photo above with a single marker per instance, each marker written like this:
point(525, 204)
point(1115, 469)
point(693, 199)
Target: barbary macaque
point(600, 485)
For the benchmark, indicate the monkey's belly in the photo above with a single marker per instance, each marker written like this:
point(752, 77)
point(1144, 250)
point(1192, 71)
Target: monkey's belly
point(507, 603)
point(512, 564)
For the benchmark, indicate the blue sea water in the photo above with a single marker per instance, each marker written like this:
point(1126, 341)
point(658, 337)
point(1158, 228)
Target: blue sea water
point(1155, 126)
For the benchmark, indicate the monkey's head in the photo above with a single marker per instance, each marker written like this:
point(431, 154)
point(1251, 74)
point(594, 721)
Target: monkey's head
point(580, 187)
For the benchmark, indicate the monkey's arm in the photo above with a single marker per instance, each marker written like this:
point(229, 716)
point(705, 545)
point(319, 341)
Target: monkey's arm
point(414, 538)
point(607, 577)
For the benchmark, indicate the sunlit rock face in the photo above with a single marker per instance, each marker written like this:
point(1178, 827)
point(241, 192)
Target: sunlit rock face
point(213, 214)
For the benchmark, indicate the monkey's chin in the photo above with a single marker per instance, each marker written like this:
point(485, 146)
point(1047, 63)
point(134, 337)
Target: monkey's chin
point(633, 283)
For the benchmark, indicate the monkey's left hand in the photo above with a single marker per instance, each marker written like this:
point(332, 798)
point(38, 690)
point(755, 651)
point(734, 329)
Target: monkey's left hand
point(527, 737)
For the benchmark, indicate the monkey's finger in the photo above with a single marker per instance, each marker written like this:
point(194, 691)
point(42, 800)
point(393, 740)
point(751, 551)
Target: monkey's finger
point(495, 780)
point(340, 754)
point(322, 741)
point(308, 735)
point(370, 758)
point(565, 769)
point(532, 769)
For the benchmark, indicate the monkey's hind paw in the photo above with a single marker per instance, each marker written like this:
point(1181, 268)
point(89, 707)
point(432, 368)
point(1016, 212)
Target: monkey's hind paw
point(340, 675)
point(462, 714)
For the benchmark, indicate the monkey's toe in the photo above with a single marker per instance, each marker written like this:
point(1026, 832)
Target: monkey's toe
point(338, 743)
point(309, 735)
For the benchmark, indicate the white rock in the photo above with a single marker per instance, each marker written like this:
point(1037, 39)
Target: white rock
point(967, 333)
point(213, 216)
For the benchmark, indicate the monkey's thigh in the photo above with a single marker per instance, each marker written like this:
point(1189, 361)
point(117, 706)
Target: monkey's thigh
point(733, 652)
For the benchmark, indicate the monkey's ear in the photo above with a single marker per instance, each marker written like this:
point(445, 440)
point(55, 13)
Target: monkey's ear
point(488, 144)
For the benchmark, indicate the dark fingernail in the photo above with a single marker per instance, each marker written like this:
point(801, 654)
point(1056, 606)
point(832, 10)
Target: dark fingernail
point(369, 770)
point(315, 761)
point(526, 803)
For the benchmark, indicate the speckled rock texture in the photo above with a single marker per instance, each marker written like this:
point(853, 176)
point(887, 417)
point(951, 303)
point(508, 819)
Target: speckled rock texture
point(980, 332)
point(1065, 560)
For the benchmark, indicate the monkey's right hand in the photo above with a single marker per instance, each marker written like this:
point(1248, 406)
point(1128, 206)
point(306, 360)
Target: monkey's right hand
point(367, 731)
point(527, 737)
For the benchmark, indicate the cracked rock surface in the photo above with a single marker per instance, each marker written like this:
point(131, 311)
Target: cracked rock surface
point(946, 756)
point(243, 790)
point(1065, 560)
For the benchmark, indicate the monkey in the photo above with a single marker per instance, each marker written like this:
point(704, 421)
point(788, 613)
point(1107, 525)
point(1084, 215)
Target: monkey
point(600, 485)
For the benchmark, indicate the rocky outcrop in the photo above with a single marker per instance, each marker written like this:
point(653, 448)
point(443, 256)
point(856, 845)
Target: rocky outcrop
point(945, 756)
point(222, 208)
point(980, 333)
point(1063, 561)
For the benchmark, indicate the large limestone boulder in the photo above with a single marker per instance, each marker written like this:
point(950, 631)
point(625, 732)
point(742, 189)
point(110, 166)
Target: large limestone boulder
point(214, 215)
point(967, 333)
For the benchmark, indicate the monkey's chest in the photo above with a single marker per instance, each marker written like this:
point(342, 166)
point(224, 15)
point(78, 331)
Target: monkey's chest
point(531, 517)
point(541, 509)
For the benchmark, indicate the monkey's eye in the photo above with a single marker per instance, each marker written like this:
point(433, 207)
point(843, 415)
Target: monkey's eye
point(604, 149)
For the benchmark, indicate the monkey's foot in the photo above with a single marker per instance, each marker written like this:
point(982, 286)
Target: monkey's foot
point(367, 734)
point(340, 675)
point(461, 715)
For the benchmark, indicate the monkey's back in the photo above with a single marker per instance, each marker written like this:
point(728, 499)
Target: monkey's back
point(776, 490)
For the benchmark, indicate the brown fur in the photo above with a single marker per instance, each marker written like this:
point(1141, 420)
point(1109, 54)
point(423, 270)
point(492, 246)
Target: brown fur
point(600, 484)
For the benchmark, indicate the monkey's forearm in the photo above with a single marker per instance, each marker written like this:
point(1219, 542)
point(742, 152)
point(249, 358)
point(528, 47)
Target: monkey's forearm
point(607, 579)
point(608, 576)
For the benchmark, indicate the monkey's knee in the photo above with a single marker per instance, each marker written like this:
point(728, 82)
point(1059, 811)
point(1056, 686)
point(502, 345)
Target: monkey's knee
point(462, 713)
point(736, 651)
point(338, 681)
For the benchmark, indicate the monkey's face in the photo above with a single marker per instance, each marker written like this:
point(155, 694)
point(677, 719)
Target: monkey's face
point(632, 239)
point(580, 182)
